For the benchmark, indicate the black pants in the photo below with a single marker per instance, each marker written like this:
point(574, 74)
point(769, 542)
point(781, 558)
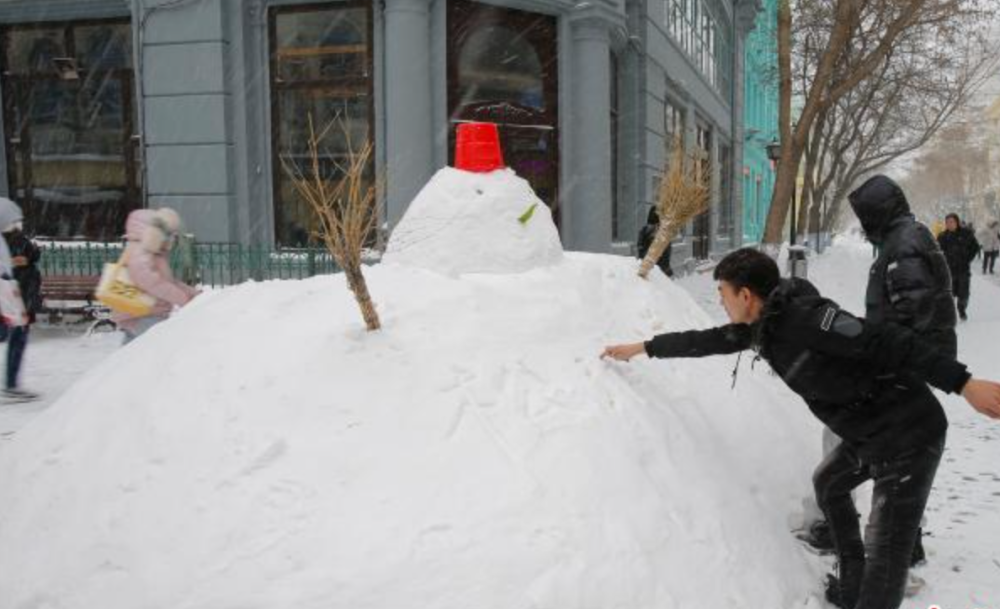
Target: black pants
point(873, 572)
point(960, 288)
point(17, 342)
point(989, 260)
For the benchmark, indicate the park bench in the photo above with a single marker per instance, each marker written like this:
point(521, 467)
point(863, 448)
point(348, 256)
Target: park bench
point(73, 294)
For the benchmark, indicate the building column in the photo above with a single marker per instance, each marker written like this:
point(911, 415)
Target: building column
point(739, 141)
point(586, 198)
point(182, 59)
point(715, 198)
point(408, 102)
point(746, 12)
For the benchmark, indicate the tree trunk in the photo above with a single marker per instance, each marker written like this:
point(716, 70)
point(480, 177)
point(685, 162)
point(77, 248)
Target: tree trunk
point(780, 194)
point(356, 281)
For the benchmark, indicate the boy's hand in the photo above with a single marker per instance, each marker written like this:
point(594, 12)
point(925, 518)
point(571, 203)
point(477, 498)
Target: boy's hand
point(624, 353)
point(19, 261)
point(984, 397)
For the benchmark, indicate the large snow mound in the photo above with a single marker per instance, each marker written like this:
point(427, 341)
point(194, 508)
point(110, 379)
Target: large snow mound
point(261, 451)
point(464, 222)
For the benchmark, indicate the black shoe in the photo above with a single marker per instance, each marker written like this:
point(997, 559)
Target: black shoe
point(833, 592)
point(963, 316)
point(843, 589)
point(918, 557)
point(819, 537)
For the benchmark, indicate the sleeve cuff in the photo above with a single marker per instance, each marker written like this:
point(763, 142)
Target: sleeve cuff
point(960, 383)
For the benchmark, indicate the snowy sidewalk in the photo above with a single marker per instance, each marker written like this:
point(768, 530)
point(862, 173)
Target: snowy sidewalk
point(56, 357)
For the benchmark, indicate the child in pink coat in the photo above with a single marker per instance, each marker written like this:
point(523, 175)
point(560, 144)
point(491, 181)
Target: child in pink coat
point(151, 235)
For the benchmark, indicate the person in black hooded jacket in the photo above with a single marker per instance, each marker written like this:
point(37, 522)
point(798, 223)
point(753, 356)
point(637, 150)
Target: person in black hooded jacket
point(960, 248)
point(909, 283)
point(645, 239)
point(869, 384)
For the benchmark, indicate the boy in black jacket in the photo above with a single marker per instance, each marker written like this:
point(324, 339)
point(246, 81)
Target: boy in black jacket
point(893, 432)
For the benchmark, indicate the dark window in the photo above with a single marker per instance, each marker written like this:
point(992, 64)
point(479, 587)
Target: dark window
point(725, 224)
point(673, 129)
point(69, 119)
point(700, 239)
point(321, 67)
point(700, 28)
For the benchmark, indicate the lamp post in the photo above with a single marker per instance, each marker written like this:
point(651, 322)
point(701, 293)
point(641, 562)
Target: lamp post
point(797, 266)
point(774, 154)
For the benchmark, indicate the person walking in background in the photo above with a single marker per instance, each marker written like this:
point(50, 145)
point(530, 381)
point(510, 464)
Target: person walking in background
point(989, 239)
point(646, 235)
point(151, 235)
point(960, 248)
point(24, 259)
point(18, 259)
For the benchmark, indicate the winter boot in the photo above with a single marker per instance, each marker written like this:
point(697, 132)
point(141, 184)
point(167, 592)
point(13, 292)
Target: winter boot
point(843, 589)
point(819, 537)
point(15, 396)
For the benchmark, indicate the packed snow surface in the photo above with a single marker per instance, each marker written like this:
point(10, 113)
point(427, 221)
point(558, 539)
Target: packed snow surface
point(464, 222)
point(262, 450)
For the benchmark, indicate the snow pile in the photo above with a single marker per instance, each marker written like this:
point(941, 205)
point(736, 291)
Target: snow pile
point(260, 450)
point(491, 223)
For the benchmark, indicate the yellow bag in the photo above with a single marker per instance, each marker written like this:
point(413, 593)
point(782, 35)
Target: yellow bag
point(117, 291)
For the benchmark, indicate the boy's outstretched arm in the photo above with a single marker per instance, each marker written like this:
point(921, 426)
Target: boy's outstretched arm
point(730, 338)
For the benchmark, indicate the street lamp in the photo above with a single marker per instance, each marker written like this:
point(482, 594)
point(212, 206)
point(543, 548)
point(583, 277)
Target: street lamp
point(797, 265)
point(774, 153)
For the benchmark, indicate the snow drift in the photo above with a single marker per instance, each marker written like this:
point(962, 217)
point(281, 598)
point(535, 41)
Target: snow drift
point(261, 450)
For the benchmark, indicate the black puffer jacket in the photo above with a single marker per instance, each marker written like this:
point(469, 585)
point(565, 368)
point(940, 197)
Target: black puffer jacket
point(847, 370)
point(960, 248)
point(909, 283)
point(645, 239)
point(28, 277)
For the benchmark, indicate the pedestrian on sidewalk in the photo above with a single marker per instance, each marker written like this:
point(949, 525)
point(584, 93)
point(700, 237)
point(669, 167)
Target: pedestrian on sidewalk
point(893, 432)
point(645, 239)
point(151, 236)
point(989, 239)
point(18, 260)
point(960, 248)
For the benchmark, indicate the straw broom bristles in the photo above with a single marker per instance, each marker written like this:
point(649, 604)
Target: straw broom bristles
point(346, 210)
point(683, 195)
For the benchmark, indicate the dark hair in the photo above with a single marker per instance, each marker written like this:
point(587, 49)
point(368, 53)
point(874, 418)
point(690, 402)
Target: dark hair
point(958, 220)
point(751, 269)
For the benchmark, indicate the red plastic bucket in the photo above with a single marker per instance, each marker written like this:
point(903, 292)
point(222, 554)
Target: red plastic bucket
point(477, 148)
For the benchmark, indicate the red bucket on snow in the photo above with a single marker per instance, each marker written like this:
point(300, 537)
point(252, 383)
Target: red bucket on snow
point(477, 148)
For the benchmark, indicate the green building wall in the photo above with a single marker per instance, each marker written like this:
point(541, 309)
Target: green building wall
point(761, 120)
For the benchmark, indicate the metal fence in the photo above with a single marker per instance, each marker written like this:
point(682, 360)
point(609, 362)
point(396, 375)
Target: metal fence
point(209, 264)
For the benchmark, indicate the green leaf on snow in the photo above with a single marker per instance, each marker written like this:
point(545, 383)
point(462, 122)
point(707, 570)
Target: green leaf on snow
point(527, 214)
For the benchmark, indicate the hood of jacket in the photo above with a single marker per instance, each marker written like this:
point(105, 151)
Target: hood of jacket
point(878, 203)
point(10, 213)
